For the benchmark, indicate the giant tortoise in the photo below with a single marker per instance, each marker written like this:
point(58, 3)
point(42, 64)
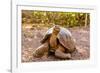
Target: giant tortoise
point(57, 40)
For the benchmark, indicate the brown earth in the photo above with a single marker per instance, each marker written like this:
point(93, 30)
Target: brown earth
point(31, 40)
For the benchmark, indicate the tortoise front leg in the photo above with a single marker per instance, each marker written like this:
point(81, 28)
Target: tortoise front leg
point(60, 53)
point(41, 50)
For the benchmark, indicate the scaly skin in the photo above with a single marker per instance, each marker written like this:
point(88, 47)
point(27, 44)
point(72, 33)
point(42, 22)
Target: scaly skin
point(41, 50)
point(53, 42)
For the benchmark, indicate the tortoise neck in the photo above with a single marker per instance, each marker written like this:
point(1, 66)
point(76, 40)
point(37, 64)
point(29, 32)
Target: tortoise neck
point(54, 34)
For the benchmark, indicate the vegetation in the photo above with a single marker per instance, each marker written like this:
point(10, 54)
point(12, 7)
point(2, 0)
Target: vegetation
point(48, 18)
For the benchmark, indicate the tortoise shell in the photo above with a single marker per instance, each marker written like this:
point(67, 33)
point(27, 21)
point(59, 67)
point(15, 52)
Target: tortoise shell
point(64, 36)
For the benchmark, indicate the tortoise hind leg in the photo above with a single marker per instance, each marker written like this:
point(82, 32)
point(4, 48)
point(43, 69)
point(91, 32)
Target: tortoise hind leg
point(41, 50)
point(60, 53)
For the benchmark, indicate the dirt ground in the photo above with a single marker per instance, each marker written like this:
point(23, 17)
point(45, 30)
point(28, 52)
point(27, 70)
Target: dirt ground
point(31, 40)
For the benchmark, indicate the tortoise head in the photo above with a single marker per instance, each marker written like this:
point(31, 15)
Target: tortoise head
point(56, 29)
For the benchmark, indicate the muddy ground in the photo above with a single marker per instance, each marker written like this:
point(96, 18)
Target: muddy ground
point(31, 40)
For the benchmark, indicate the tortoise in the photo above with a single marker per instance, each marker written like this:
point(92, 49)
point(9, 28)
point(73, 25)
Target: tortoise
point(57, 40)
